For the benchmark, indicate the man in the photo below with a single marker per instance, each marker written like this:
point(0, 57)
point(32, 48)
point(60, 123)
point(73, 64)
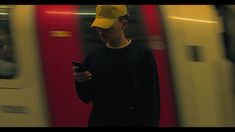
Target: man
point(120, 78)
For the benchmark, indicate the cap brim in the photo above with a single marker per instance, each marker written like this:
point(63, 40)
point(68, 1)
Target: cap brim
point(103, 22)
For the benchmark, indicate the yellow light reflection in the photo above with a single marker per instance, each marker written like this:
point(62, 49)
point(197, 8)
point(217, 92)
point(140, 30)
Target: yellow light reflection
point(189, 19)
point(69, 13)
point(93, 14)
point(3, 13)
point(60, 33)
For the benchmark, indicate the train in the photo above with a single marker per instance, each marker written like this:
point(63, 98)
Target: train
point(193, 46)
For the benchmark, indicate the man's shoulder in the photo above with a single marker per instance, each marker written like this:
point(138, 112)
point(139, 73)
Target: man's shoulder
point(141, 45)
point(96, 51)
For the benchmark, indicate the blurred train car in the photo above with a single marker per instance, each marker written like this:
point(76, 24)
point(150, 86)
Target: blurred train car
point(38, 44)
point(203, 76)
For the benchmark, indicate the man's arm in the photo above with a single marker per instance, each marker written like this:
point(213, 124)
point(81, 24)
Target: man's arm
point(151, 91)
point(84, 86)
point(84, 91)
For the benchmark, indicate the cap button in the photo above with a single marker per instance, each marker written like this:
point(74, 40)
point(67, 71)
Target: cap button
point(131, 108)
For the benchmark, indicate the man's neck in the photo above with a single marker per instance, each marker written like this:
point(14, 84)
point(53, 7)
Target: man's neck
point(119, 47)
point(119, 43)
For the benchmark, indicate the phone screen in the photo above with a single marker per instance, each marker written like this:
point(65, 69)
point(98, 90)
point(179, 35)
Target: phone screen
point(80, 66)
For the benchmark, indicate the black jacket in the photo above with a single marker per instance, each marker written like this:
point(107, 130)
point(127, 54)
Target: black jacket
point(124, 88)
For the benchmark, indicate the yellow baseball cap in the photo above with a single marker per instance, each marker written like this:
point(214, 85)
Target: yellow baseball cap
point(106, 15)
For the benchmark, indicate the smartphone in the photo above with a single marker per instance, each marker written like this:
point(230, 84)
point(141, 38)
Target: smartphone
point(80, 66)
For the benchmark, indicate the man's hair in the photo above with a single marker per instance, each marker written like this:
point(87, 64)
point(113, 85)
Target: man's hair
point(121, 18)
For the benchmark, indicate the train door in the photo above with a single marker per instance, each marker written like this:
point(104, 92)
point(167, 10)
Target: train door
point(227, 17)
point(22, 96)
point(60, 44)
point(65, 35)
point(200, 70)
point(155, 39)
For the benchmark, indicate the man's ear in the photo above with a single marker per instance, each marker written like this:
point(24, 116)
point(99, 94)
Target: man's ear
point(124, 24)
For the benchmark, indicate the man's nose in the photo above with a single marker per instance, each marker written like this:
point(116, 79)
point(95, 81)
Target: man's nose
point(101, 30)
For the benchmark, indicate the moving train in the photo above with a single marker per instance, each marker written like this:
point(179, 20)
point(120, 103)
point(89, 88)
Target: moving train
point(193, 46)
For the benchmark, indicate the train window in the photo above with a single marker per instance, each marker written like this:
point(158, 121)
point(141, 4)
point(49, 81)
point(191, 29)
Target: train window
point(90, 38)
point(135, 29)
point(195, 53)
point(7, 62)
point(227, 13)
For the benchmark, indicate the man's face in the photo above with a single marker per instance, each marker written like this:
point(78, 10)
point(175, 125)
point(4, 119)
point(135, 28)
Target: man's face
point(111, 34)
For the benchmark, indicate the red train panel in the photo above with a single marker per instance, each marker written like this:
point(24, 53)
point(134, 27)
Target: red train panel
point(60, 45)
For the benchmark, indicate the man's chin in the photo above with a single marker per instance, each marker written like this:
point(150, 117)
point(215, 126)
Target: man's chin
point(105, 41)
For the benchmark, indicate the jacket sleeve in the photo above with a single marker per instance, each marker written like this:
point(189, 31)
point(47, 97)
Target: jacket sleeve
point(85, 89)
point(151, 91)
